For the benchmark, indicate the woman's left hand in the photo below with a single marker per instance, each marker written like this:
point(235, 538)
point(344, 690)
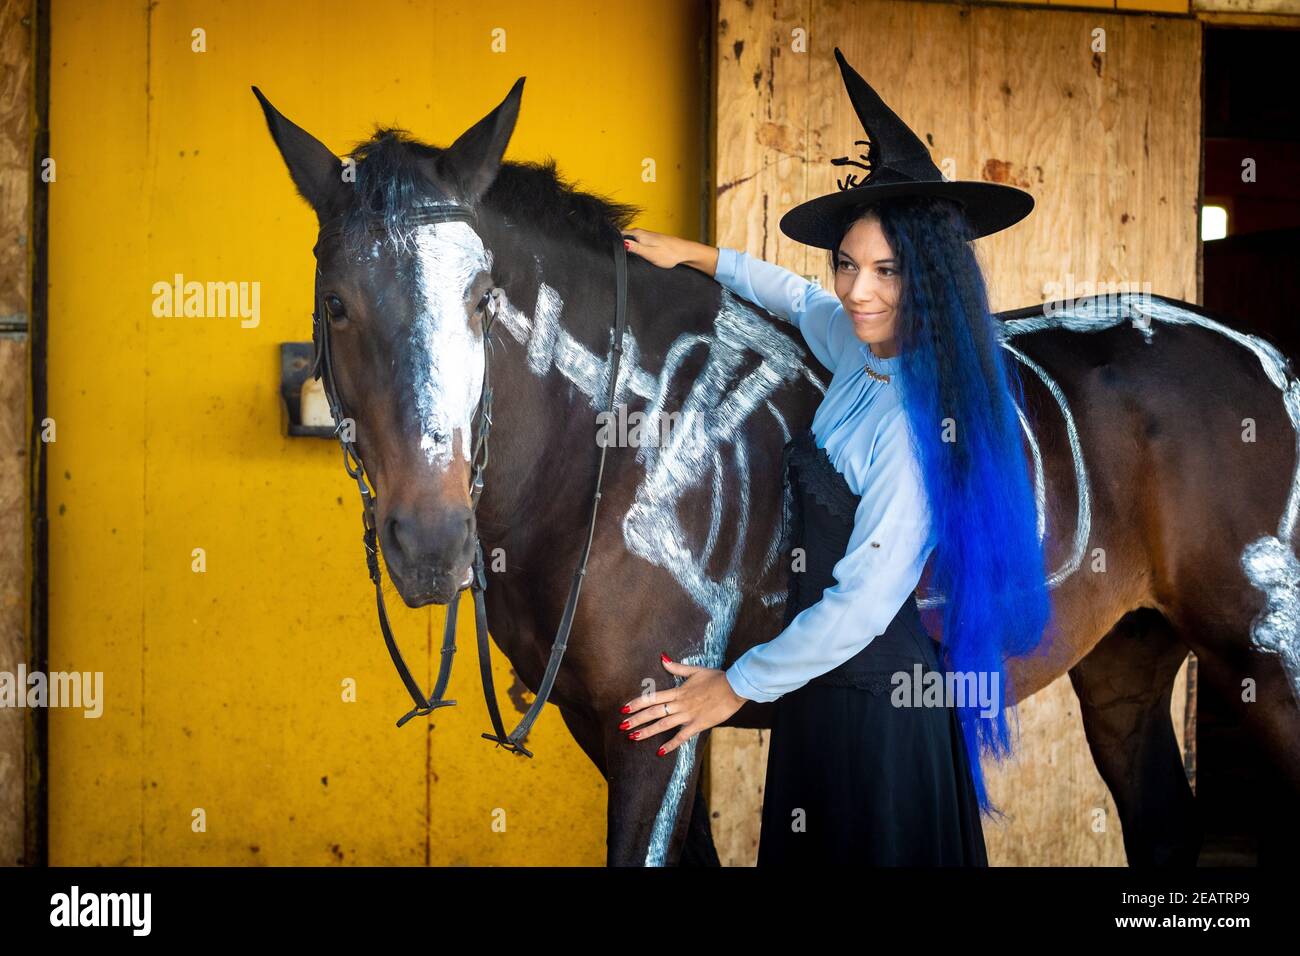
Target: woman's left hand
point(705, 699)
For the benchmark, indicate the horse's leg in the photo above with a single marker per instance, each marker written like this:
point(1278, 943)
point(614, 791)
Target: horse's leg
point(651, 800)
point(587, 733)
point(654, 808)
point(699, 849)
point(1255, 686)
point(1124, 687)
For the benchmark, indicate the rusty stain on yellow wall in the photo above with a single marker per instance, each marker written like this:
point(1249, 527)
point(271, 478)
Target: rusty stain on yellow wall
point(225, 687)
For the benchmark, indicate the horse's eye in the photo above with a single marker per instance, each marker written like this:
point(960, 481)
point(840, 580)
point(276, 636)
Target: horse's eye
point(334, 306)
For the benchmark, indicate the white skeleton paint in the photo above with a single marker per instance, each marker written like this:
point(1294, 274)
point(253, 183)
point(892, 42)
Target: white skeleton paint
point(715, 412)
point(448, 257)
point(709, 430)
point(1268, 563)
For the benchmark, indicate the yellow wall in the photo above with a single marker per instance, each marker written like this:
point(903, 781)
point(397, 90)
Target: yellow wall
point(224, 688)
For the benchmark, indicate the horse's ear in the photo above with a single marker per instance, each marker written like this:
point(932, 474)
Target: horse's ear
point(473, 160)
point(314, 169)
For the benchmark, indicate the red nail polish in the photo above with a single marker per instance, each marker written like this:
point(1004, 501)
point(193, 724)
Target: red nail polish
point(666, 659)
point(624, 725)
point(661, 751)
point(626, 244)
point(627, 709)
point(634, 735)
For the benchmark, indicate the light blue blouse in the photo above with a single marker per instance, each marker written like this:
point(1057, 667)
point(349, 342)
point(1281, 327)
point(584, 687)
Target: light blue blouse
point(863, 427)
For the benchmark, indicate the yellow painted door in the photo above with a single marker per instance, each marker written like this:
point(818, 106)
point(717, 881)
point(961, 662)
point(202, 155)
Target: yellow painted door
point(225, 737)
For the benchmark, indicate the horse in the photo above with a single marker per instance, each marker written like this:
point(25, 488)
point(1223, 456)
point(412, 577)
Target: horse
point(1139, 415)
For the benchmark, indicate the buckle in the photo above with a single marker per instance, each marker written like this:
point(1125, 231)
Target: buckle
point(424, 711)
point(508, 744)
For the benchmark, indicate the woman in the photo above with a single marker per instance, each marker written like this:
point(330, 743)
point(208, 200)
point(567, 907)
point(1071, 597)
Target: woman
point(914, 451)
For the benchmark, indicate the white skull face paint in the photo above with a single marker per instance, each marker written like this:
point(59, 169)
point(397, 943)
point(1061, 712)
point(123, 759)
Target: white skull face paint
point(449, 354)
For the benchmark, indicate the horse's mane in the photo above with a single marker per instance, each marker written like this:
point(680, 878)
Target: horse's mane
point(391, 179)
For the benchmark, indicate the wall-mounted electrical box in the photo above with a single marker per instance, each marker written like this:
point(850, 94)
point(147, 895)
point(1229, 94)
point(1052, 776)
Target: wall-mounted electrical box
point(304, 396)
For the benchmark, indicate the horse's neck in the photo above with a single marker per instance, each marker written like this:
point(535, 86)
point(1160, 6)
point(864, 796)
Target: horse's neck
point(717, 364)
point(550, 367)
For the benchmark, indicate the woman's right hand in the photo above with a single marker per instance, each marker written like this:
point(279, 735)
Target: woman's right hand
point(661, 249)
point(667, 251)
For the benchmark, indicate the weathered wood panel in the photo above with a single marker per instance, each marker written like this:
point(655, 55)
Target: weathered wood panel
point(15, 206)
point(1102, 127)
point(13, 590)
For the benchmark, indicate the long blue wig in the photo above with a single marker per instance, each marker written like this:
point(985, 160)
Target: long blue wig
point(960, 392)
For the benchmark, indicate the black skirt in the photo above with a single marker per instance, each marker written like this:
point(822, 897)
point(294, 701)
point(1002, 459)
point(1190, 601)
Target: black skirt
point(851, 778)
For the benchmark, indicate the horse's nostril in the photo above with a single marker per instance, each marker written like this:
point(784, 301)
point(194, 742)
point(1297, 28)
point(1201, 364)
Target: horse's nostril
point(398, 534)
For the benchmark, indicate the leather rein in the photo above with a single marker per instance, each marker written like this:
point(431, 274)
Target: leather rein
point(323, 367)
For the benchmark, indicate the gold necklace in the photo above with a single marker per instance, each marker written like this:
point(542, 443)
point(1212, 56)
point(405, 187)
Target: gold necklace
point(879, 377)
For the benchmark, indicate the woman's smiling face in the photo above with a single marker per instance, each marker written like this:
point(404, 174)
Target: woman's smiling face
point(868, 284)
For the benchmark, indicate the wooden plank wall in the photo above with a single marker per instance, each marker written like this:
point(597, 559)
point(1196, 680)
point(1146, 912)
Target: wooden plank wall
point(15, 187)
point(1108, 143)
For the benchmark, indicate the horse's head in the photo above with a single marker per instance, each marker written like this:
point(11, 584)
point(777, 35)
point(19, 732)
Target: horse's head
point(401, 296)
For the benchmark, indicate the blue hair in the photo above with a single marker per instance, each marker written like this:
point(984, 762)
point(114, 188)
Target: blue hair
point(960, 391)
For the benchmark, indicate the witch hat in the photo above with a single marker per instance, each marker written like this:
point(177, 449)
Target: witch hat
point(897, 164)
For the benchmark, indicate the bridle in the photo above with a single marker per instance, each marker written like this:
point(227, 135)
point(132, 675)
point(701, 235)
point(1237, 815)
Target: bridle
point(323, 367)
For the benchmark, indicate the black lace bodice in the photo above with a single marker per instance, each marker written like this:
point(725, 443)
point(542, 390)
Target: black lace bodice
point(823, 508)
point(818, 477)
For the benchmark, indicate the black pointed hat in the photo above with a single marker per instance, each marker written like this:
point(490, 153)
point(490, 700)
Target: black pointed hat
point(897, 164)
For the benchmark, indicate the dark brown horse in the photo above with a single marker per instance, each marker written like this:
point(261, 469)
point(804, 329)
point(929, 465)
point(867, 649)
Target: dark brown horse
point(1163, 448)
